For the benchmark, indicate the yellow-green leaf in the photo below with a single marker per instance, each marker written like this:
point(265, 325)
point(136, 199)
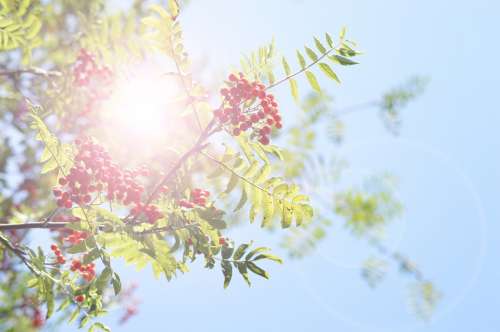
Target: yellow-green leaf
point(313, 81)
point(325, 68)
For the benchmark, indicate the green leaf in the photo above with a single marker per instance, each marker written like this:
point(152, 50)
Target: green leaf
point(342, 60)
point(270, 257)
point(319, 46)
point(233, 181)
point(328, 71)
point(257, 270)
point(49, 166)
point(64, 304)
point(311, 54)
point(255, 251)
point(84, 321)
point(313, 81)
point(329, 40)
point(74, 315)
point(227, 271)
point(294, 89)
point(161, 11)
point(98, 325)
point(103, 279)
point(116, 282)
point(342, 33)
point(217, 223)
point(91, 256)
point(49, 297)
point(242, 269)
point(77, 248)
point(240, 251)
point(33, 29)
point(268, 208)
point(243, 200)
point(301, 59)
point(227, 252)
point(286, 67)
point(33, 282)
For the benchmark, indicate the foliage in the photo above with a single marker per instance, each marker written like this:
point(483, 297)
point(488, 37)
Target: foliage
point(63, 62)
point(19, 26)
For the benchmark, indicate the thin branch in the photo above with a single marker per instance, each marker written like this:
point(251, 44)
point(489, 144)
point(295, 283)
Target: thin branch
point(32, 70)
point(197, 147)
point(31, 225)
point(223, 165)
point(19, 253)
point(300, 71)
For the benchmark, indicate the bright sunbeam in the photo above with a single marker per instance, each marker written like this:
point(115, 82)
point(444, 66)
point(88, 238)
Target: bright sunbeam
point(139, 105)
point(142, 109)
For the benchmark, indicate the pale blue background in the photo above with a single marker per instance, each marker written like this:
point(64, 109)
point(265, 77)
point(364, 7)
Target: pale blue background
point(446, 158)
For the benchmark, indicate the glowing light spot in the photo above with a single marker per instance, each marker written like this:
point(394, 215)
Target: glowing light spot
point(142, 109)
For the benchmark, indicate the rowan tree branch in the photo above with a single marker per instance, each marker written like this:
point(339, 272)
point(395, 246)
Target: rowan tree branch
point(32, 70)
point(31, 225)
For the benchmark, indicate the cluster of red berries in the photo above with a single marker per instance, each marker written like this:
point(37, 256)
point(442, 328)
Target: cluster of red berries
point(95, 78)
point(94, 172)
point(86, 69)
point(87, 271)
point(151, 212)
point(247, 105)
point(198, 197)
point(76, 237)
point(59, 256)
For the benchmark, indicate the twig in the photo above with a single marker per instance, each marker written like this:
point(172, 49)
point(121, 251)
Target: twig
point(31, 225)
point(32, 70)
point(300, 71)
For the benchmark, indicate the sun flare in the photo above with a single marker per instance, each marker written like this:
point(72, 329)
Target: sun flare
point(143, 108)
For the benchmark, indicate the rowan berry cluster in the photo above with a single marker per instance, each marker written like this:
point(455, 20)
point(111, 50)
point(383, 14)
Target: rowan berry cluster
point(59, 256)
point(76, 237)
point(86, 69)
point(151, 212)
point(94, 172)
point(95, 78)
point(87, 271)
point(198, 197)
point(247, 105)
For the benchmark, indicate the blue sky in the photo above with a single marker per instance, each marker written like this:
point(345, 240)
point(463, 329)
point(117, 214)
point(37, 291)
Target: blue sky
point(446, 159)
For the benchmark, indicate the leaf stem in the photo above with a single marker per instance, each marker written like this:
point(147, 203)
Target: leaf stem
point(284, 79)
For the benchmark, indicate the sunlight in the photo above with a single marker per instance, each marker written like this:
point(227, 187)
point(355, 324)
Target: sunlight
point(143, 108)
point(139, 105)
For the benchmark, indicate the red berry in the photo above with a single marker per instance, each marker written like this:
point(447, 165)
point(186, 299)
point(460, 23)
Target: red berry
point(264, 140)
point(80, 298)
